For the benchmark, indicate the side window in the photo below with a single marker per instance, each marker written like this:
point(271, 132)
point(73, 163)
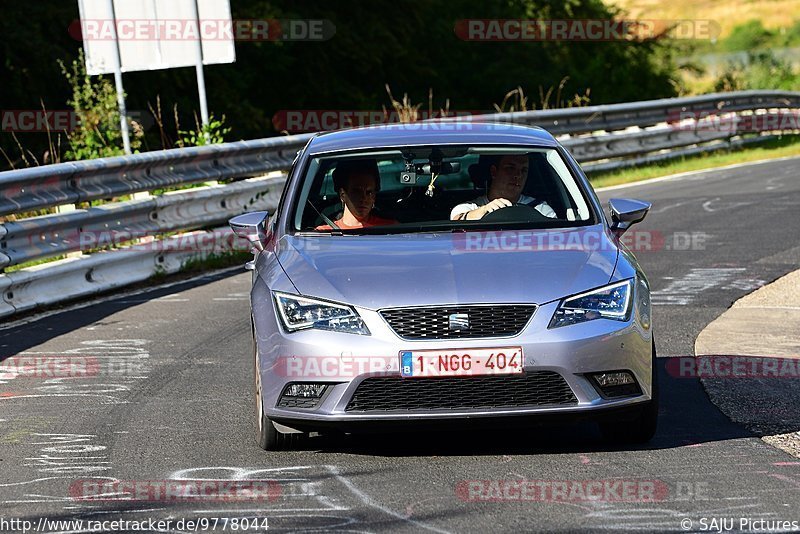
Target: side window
point(577, 209)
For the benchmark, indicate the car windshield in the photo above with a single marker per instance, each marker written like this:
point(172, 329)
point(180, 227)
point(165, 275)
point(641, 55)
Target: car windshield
point(446, 188)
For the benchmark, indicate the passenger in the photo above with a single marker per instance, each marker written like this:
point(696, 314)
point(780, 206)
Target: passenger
point(357, 182)
point(508, 176)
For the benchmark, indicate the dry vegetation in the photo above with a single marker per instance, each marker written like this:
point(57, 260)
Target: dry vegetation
point(728, 13)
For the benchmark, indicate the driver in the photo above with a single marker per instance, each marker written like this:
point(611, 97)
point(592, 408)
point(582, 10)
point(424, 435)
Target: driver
point(509, 174)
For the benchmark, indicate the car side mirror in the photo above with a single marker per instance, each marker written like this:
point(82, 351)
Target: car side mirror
point(626, 212)
point(252, 227)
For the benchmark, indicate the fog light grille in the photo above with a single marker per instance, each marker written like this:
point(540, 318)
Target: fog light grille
point(612, 384)
point(302, 395)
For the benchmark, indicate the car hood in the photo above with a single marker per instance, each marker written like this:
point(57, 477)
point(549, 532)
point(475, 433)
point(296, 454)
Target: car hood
point(377, 271)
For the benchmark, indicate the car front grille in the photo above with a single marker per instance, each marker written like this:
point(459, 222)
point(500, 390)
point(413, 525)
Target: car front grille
point(396, 394)
point(459, 322)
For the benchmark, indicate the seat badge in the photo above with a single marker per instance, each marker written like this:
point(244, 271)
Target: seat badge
point(458, 321)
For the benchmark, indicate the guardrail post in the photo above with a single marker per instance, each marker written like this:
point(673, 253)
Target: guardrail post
point(69, 208)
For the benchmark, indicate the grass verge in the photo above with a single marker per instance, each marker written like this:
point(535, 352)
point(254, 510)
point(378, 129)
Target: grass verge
point(212, 262)
point(787, 145)
point(216, 261)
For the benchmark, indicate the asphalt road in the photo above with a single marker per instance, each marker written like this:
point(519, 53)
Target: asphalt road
point(169, 396)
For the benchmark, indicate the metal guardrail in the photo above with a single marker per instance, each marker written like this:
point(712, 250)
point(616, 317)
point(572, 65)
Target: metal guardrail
point(70, 183)
point(116, 223)
point(658, 136)
point(594, 148)
point(72, 278)
point(649, 112)
point(651, 158)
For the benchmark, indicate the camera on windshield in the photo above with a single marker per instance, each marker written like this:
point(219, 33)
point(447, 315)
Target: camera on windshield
point(432, 165)
point(409, 175)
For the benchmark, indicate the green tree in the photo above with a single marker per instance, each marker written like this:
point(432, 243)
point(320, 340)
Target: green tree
point(761, 70)
point(748, 36)
point(410, 45)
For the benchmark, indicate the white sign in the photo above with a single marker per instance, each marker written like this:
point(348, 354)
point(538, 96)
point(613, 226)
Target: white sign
point(155, 34)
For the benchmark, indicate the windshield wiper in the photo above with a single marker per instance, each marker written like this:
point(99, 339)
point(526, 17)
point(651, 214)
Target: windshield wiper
point(326, 219)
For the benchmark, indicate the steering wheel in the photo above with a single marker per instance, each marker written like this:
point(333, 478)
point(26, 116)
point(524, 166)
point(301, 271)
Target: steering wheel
point(516, 213)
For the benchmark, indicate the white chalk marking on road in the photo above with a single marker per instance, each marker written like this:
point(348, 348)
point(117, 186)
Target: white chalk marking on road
point(116, 512)
point(711, 208)
point(54, 499)
point(775, 183)
point(237, 473)
point(234, 296)
point(369, 501)
point(292, 476)
point(116, 401)
point(5, 485)
point(785, 478)
point(664, 208)
point(161, 299)
point(684, 290)
point(745, 284)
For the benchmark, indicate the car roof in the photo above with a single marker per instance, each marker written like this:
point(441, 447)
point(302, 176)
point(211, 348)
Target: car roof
point(431, 133)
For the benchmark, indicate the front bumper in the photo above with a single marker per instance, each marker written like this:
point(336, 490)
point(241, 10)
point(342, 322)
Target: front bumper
point(573, 352)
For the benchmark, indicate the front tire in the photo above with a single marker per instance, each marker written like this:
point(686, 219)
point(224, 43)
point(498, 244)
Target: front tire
point(268, 437)
point(643, 428)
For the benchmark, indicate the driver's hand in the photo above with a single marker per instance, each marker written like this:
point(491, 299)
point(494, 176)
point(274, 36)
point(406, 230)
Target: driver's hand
point(479, 212)
point(495, 205)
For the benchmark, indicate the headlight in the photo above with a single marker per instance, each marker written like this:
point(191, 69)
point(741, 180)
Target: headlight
point(609, 302)
point(300, 313)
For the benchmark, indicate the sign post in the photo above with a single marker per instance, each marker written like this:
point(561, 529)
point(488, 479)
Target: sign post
point(201, 77)
point(117, 63)
point(129, 35)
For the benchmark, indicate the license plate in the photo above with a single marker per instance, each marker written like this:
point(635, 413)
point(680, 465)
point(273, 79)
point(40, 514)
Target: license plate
point(471, 362)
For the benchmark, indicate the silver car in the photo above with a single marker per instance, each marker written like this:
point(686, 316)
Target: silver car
point(433, 274)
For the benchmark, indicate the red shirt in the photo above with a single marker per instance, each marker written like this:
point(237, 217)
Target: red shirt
point(372, 220)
